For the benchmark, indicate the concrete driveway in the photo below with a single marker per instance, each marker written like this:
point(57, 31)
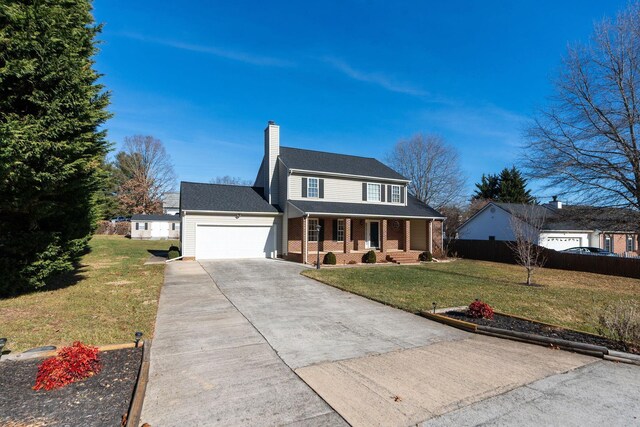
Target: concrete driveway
point(252, 342)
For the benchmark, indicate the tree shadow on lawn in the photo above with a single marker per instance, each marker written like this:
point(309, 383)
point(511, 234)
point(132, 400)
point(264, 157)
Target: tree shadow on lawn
point(488, 279)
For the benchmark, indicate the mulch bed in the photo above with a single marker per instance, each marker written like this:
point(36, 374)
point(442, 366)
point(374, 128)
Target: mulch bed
point(101, 400)
point(519, 325)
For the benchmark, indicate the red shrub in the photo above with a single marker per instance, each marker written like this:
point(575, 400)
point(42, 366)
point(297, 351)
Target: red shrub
point(480, 309)
point(72, 364)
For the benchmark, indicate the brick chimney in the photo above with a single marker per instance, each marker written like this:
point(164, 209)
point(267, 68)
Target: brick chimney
point(271, 153)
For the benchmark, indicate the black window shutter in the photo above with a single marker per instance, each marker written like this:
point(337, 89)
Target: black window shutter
point(321, 188)
point(304, 187)
point(389, 191)
point(137, 226)
point(364, 191)
point(401, 194)
point(335, 230)
point(351, 232)
point(321, 234)
point(382, 192)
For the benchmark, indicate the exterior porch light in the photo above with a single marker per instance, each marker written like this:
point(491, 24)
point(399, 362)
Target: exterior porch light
point(138, 337)
point(318, 228)
point(3, 341)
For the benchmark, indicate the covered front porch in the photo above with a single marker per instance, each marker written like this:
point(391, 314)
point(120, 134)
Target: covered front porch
point(350, 238)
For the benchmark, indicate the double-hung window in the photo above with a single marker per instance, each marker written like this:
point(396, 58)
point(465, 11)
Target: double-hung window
point(313, 230)
point(340, 230)
point(395, 194)
point(631, 243)
point(373, 192)
point(608, 243)
point(312, 187)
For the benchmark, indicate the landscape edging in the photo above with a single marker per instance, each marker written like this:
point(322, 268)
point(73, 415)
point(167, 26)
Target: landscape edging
point(583, 348)
point(135, 408)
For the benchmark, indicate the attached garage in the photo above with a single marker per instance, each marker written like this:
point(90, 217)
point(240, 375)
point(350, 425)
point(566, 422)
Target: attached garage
point(560, 241)
point(227, 222)
point(233, 241)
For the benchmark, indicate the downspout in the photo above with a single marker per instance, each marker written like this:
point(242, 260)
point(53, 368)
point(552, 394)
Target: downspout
point(431, 236)
point(305, 238)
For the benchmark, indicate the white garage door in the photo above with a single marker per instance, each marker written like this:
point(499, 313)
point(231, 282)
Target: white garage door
point(232, 242)
point(561, 243)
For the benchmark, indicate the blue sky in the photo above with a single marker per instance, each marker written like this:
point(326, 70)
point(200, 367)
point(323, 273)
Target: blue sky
point(351, 77)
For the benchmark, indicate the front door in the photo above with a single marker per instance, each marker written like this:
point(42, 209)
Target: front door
point(373, 234)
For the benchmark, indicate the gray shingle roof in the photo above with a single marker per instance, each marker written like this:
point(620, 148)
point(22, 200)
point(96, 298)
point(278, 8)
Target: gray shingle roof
point(159, 217)
point(296, 158)
point(226, 198)
point(171, 200)
point(414, 208)
point(580, 217)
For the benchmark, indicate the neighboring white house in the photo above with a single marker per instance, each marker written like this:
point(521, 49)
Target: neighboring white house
point(155, 227)
point(563, 227)
point(171, 203)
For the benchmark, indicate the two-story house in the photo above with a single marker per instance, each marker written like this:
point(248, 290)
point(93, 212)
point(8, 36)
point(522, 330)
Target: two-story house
point(307, 201)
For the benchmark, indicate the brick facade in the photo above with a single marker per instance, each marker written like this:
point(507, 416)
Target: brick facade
point(395, 236)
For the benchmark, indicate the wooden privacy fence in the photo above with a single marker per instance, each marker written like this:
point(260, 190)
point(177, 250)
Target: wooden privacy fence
point(499, 251)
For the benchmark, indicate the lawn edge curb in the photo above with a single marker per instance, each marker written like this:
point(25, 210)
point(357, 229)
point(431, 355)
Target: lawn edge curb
point(137, 400)
point(576, 347)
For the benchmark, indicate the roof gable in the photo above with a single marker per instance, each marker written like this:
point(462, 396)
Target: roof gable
point(320, 161)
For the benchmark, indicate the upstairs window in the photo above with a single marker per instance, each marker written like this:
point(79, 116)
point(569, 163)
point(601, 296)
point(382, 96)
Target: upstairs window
point(631, 243)
point(373, 192)
point(312, 188)
point(313, 230)
point(395, 194)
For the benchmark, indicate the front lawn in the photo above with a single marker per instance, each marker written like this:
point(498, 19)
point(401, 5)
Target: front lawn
point(567, 298)
point(111, 296)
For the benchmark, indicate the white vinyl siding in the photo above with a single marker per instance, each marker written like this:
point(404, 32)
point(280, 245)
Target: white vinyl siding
point(335, 189)
point(189, 223)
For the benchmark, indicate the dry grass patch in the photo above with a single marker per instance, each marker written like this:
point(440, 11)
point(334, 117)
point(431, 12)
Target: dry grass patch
point(567, 298)
point(104, 302)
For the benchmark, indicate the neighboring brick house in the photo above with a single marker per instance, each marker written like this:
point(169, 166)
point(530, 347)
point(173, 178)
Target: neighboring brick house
point(357, 204)
point(564, 227)
point(155, 227)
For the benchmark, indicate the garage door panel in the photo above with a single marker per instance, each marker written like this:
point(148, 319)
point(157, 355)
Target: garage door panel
point(560, 243)
point(234, 242)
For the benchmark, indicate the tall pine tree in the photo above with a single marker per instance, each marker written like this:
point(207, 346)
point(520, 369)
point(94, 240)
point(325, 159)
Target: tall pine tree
point(509, 186)
point(51, 148)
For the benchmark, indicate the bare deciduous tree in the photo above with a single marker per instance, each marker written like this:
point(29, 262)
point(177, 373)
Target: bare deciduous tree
point(433, 167)
point(526, 224)
point(585, 142)
point(146, 173)
point(230, 180)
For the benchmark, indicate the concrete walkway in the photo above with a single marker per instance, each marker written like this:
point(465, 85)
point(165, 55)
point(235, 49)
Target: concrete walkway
point(209, 365)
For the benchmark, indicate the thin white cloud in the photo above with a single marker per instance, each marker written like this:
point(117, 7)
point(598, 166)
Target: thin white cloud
point(379, 79)
point(234, 55)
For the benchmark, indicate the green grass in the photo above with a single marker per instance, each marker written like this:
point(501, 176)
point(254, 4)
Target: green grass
point(111, 296)
point(567, 298)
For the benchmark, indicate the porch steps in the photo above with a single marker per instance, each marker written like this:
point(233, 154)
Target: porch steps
point(403, 258)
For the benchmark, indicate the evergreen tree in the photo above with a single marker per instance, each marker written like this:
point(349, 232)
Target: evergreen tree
point(513, 187)
point(509, 186)
point(51, 148)
point(488, 188)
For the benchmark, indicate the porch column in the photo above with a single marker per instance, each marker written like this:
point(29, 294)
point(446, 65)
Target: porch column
point(407, 235)
point(348, 245)
point(305, 244)
point(383, 235)
point(430, 237)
